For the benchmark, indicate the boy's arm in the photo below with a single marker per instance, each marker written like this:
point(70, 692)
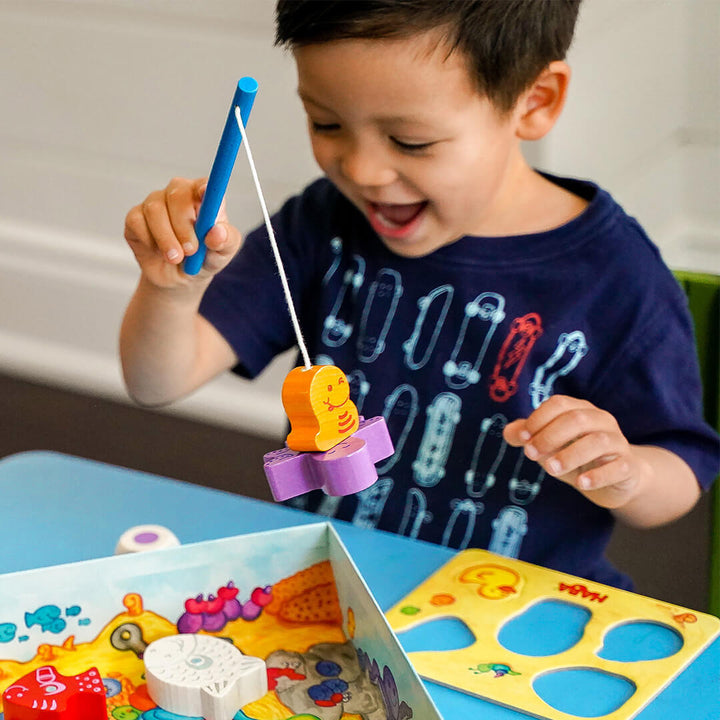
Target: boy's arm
point(582, 445)
point(667, 491)
point(168, 350)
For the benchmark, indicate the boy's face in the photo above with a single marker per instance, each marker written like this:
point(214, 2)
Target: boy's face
point(400, 129)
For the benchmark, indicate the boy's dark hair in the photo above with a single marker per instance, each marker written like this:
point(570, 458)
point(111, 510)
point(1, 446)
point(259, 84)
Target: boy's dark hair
point(508, 43)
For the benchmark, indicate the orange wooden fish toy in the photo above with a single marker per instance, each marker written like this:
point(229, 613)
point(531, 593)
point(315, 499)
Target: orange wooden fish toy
point(318, 405)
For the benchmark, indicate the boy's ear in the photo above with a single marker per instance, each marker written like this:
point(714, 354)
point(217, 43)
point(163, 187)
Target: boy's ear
point(541, 104)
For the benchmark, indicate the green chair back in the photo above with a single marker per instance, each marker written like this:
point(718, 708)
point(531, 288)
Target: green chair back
point(703, 292)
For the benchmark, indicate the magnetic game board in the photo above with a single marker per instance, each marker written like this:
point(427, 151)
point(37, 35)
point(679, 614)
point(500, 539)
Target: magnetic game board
point(292, 597)
point(545, 643)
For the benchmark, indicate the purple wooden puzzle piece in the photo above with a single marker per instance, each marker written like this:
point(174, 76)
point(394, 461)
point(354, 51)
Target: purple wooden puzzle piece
point(347, 468)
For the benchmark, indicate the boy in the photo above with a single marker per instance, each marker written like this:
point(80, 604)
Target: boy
point(531, 353)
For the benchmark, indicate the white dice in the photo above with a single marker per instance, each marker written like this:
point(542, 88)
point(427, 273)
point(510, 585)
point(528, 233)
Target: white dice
point(145, 537)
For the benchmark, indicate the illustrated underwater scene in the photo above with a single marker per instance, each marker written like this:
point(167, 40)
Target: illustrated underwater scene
point(325, 656)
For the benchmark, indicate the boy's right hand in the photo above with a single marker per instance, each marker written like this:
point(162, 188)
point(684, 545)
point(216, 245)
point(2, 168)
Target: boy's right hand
point(161, 233)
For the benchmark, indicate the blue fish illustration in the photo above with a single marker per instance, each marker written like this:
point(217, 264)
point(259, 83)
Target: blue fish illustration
point(47, 617)
point(7, 632)
point(73, 610)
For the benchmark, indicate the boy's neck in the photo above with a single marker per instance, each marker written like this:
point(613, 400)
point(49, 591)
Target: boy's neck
point(530, 203)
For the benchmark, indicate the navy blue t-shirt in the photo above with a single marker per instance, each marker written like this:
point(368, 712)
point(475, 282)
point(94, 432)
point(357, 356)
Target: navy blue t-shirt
point(452, 346)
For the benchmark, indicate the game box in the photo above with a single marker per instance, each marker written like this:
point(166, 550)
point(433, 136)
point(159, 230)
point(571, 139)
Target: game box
point(291, 597)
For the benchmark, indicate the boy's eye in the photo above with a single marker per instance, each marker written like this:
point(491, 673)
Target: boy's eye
point(410, 146)
point(324, 127)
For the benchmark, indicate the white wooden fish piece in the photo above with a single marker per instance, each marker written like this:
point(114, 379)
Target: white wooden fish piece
point(201, 675)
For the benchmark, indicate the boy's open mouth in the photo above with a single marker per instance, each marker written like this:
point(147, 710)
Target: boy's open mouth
point(394, 218)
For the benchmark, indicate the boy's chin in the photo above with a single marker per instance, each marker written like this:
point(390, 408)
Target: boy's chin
point(412, 248)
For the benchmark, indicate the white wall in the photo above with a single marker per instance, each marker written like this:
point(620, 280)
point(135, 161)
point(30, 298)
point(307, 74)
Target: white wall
point(104, 100)
point(643, 118)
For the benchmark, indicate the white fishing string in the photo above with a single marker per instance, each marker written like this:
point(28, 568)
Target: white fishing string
point(273, 243)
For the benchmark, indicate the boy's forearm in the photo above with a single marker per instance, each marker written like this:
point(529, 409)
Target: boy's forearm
point(666, 490)
point(160, 348)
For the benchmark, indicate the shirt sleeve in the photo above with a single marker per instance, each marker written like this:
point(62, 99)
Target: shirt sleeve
point(245, 301)
point(653, 387)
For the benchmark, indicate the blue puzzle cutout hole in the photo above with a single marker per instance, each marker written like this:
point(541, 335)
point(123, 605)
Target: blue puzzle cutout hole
point(583, 692)
point(545, 628)
point(449, 633)
point(635, 641)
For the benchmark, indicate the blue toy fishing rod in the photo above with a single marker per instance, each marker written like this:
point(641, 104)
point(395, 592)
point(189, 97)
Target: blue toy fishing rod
point(222, 167)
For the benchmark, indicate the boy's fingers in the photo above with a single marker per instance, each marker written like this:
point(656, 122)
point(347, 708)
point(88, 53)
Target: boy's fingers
point(217, 237)
point(610, 483)
point(580, 444)
point(543, 422)
point(586, 451)
point(135, 226)
point(516, 433)
point(181, 199)
point(155, 212)
point(222, 241)
point(223, 238)
point(199, 187)
point(164, 225)
point(569, 429)
point(554, 407)
point(137, 233)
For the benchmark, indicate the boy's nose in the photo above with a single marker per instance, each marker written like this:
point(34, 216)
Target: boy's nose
point(367, 168)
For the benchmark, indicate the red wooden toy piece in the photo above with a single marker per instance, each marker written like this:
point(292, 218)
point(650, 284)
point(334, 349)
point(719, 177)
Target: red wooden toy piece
point(44, 694)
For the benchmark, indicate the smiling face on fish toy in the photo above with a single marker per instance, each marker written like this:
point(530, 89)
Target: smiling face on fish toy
point(201, 675)
point(317, 403)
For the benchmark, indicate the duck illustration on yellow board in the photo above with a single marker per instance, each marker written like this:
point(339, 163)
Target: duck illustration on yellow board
point(494, 582)
point(317, 402)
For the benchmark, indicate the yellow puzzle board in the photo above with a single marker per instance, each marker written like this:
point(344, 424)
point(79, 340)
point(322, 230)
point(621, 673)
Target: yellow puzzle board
point(486, 591)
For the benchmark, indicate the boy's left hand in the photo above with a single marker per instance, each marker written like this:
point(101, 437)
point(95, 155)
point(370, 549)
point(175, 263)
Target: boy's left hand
point(582, 445)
